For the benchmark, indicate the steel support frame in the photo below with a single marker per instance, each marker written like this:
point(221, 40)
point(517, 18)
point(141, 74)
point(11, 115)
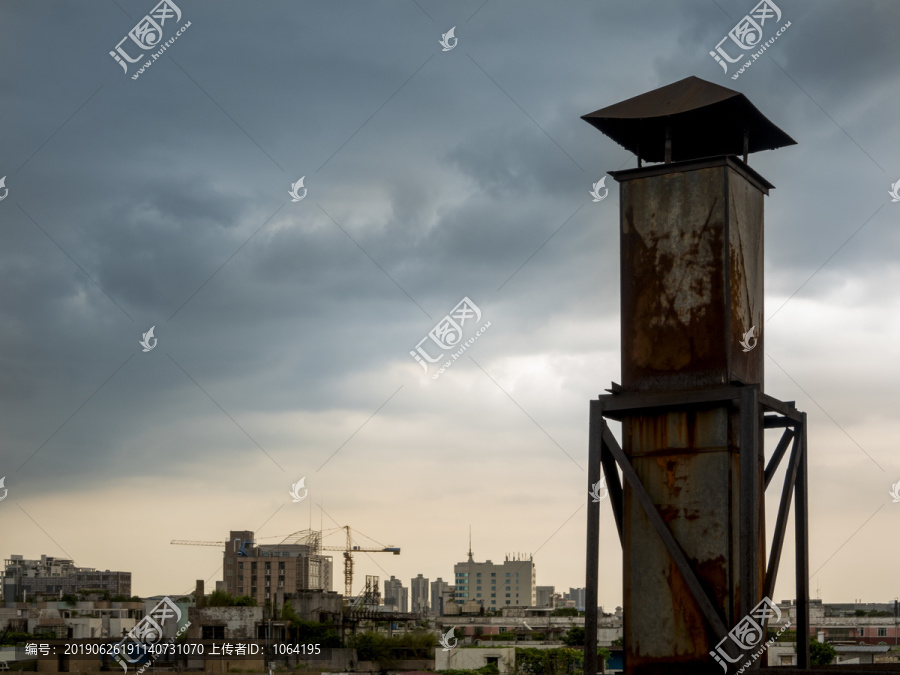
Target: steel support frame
point(604, 453)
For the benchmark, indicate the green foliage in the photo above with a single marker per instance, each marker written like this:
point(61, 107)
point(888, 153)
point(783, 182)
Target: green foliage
point(564, 611)
point(574, 637)
point(506, 635)
point(225, 599)
point(820, 653)
point(532, 661)
point(309, 631)
point(786, 636)
point(618, 642)
point(12, 638)
point(489, 669)
point(387, 651)
point(69, 598)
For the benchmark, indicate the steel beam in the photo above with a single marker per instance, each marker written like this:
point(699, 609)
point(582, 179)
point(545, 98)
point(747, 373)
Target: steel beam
point(709, 610)
point(785, 408)
point(592, 554)
point(781, 522)
point(749, 499)
point(801, 532)
point(772, 466)
point(616, 406)
point(613, 485)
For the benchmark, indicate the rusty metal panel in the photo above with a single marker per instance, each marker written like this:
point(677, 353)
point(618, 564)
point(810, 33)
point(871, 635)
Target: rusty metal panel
point(745, 271)
point(687, 462)
point(691, 274)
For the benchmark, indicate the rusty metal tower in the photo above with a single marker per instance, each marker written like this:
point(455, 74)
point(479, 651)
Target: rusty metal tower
point(690, 510)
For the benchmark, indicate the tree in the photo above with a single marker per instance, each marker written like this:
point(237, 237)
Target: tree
point(574, 637)
point(225, 599)
point(618, 642)
point(820, 653)
point(564, 611)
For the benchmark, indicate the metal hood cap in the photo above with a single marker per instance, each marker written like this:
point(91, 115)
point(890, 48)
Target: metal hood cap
point(703, 119)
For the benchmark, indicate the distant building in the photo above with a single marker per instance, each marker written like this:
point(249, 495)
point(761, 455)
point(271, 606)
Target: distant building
point(544, 596)
point(24, 579)
point(576, 595)
point(259, 571)
point(396, 594)
point(509, 584)
point(438, 588)
point(418, 588)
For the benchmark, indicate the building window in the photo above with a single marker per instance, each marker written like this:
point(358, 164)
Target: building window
point(478, 595)
point(240, 565)
point(228, 573)
point(862, 632)
point(268, 565)
point(882, 632)
point(493, 602)
point(252, 567)
point(507, 588)
point(478, 588)
point(253, 591)
point(240, 589)
point(213, 632)
point(493, 595)
point(240, 577)
point(478, 575)
point(507, 574)
point(493, 574)
point(507, 602)
point(507, 595)
point(281, 565)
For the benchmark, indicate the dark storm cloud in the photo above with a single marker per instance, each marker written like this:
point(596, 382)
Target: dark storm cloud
point(431, 175)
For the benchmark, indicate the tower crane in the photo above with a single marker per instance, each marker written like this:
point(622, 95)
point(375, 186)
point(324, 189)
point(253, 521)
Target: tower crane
point(348, 550)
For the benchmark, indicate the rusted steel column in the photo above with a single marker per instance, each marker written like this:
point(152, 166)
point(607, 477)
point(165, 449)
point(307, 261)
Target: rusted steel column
point(691, 242)
point(692, 285)
point(593, 541)
point(801, 532)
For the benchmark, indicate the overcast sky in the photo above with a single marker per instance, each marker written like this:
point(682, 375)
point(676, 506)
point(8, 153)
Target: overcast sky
point(285, 327)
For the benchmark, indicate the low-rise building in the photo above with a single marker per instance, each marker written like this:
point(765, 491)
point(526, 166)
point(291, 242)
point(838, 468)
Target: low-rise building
point(24, 579)
point(471, 659)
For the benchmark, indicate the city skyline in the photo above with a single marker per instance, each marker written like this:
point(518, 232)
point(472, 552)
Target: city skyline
point(223, 277)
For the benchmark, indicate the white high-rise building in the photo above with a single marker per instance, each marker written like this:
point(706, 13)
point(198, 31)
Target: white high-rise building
point(511, 583)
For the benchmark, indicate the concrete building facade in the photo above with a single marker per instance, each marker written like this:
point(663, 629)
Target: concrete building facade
point(24, 579)
point(259, 571)
point(396, 594)
point(544, 596)
point(495, 586)
point(438, 588)
point(418, 588)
